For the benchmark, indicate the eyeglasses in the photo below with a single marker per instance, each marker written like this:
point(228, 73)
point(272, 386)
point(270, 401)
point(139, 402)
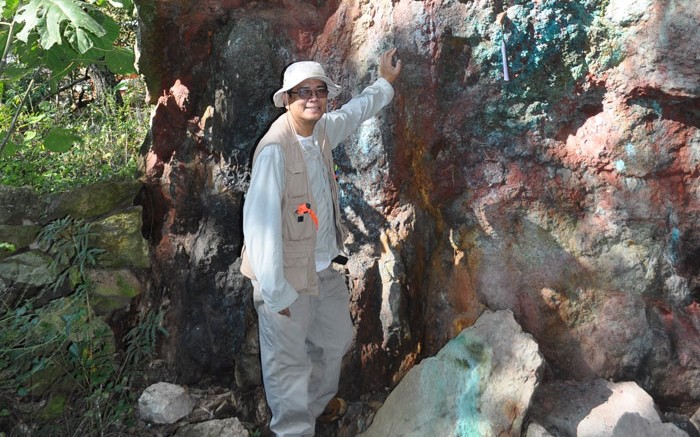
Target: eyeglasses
point(306, 93)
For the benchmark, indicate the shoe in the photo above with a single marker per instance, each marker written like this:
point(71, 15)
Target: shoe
point(334, 410)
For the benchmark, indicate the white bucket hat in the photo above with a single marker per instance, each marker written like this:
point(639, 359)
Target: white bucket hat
point(299, 72)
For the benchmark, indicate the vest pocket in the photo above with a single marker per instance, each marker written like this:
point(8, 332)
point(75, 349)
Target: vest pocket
point(300, 267)
point(297, 226)
point(295, 179)
point(296, 271)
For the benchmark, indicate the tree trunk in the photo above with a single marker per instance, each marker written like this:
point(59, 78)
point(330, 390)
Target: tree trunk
point(104, 84)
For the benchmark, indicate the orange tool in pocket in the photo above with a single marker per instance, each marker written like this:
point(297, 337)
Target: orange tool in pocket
point(305, 208)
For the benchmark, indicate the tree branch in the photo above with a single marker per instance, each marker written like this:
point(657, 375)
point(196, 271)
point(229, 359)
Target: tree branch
point(18, 111)
point(8, 43)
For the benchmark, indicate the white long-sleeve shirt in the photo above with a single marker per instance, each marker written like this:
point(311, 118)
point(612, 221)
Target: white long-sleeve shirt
point(262, 216)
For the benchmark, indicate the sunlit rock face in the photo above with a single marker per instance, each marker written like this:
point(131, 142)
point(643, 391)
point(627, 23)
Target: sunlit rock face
point(567, 194)
point(479, 384)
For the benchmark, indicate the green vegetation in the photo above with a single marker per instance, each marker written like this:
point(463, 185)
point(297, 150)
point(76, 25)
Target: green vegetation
point(72, 107)
point(63, 351)
point(72, 112)
point(110, 136)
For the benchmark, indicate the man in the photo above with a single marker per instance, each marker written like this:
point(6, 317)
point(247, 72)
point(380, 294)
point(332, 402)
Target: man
point(291, 224)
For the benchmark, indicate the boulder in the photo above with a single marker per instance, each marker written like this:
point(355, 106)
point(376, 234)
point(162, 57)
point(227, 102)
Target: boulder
point(164, 403)
point(19, 206)
point(633, 424)
point(18, 235)
point(93, 200)
point(537, 430)
point(67, 326)
point(113, 289)
point(119, 235)
point(695, 419)
point(28, 275)
point(596, 408)
point(567, 194)
point(480, 383)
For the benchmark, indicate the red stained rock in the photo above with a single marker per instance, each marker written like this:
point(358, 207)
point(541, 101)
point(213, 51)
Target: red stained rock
point(572, 208)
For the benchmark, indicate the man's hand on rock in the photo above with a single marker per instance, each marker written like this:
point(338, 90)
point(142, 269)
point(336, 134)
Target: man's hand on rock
point(387, 69)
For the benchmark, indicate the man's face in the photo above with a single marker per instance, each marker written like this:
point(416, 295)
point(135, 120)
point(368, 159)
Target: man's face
point(306, 105)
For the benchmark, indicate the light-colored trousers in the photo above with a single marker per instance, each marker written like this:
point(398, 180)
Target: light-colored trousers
point(301, 355)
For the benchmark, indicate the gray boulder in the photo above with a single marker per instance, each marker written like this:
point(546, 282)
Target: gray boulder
point(17, 235)
point(164, 403)
point(28, 275)
point(113, 289)
point(633, 424)
point(19, 206)
point(480, 383)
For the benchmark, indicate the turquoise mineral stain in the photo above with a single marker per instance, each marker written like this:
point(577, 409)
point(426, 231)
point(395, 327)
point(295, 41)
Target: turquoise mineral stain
point(620, 166)
point(673, 249)
point(676, 234)
point(458, 380)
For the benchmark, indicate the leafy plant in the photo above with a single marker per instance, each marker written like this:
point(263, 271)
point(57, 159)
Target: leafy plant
point(24, 349)
point(68, 241)
point(65, 341)
point(108, 399)
point(7, 246)
point(44, 42)
point(30, 340)
point(110, 134)
point(141, 340)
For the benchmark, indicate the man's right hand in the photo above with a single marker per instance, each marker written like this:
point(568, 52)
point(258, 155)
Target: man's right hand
point(387, 69)
point(285, 312)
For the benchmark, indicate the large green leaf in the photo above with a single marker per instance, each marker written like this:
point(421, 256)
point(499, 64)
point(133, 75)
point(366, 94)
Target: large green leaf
point(47, 18)
point(61, 60)
point(10, 148)
point(106, 42)
point(60, 140)
point(120, 60)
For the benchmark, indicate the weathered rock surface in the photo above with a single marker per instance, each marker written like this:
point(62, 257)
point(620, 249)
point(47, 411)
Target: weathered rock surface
point(18, 236)
point(115, 228)
point(113, 288)
point(568, 194)
point(25, 275)
point(58, 325)
point(214, 428)
point(480, 383)
point(633, 424)
point(597, 408)
point(93, 200)
point(164, 403)
point(20, 206)
point(119, 235)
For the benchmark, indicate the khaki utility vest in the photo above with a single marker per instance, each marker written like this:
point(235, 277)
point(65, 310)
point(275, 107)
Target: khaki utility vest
point(298, 229)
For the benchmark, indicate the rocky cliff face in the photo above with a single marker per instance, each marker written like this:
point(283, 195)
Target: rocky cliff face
point(567, 194)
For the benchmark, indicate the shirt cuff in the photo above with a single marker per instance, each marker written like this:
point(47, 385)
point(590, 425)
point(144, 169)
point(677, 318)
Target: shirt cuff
point(385, 85)
point(284, 299)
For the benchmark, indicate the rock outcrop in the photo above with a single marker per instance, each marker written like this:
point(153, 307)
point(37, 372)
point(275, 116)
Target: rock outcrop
point(70, 268)
point(567, 194)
